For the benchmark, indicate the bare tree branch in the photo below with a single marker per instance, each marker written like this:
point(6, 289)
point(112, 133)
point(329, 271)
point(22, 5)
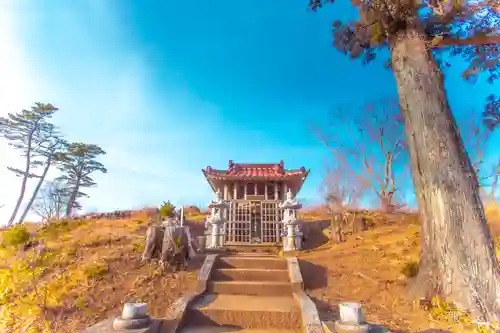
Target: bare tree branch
point(376, 141)
point(477, 136)
point(51, 201)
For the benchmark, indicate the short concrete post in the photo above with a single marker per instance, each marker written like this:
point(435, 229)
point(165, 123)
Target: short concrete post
point(134, 317)
point(351, 319)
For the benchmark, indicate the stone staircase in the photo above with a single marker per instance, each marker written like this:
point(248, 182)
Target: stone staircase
point(246, 293)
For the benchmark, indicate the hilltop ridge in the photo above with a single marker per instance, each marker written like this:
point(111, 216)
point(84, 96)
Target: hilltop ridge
point(91, 266)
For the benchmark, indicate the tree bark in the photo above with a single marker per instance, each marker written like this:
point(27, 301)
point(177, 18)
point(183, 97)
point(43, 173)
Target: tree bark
point(24, 181)
point(72, 198)
point(358, 224)
point(153, 242)
point(336, 229)
point(35, 192)
point(458, 260)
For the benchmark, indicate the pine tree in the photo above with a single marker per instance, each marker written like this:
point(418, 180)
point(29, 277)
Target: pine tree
point(27, 131)
point(458, 260)
point(77, 164)
point(49, 150)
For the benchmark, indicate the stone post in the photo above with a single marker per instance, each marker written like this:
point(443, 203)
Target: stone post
point(218, 207)
point(290, 207)
point(134, 317)
point(351, 319)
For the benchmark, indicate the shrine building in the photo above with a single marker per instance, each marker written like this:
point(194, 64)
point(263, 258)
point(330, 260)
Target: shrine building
point(254, 193)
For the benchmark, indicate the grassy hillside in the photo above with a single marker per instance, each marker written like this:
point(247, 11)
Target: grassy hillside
point(89, 268)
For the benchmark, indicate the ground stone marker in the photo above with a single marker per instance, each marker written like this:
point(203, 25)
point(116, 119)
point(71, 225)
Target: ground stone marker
point(134, 316)
point(351, 319)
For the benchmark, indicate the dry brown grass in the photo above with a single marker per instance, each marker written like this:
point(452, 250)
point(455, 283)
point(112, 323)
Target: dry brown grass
point(94, 268)
point(369, 268)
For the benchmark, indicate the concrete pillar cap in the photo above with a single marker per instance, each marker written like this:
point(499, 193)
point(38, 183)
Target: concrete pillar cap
point(351, 313)
point(134, 310)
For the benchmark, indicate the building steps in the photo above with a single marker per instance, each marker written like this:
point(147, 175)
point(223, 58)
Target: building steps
point(249, 274)
point(245, 311)
point(246, 293)
point(252, 261)
point(231, 329)
point(250, 288)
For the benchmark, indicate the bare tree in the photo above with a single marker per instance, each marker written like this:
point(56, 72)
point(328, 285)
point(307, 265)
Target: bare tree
point(477, 137)
point(342, 189)
point(342, 192)
point(51, 201)
point(373, 144)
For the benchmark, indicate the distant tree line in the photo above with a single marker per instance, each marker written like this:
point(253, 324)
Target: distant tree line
point(43, 147)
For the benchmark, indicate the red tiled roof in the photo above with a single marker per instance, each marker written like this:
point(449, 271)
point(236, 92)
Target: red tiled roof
point(269, 171)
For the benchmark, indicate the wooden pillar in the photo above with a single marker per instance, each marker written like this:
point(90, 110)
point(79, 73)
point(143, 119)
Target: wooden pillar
point(255, 188)
point(276, 191)
point(285, 190)
point(225, 192)
point(235, 191)
point(265, 190)
point(246, 190)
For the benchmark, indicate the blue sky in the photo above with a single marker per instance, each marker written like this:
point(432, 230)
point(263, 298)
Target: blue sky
point(169, 87)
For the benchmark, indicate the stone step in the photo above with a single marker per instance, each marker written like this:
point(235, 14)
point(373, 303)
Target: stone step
point(257, 312)
point(250, 288)
point(249, 261)
point(249, 274)
point(228, 329)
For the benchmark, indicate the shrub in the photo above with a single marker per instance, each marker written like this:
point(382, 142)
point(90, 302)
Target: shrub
point(167, 209)
point(15, 236)
point(410, 269)
point(53, 230)
point(96, 270)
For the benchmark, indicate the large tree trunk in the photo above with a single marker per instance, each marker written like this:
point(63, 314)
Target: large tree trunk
point(458, 260)
point(35, 192)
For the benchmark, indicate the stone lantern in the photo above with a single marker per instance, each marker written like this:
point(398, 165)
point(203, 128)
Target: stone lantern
point(292, 235)
point(218, 207)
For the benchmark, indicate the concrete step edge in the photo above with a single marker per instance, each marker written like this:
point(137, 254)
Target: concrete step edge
point(270, 282)
point(271, 270)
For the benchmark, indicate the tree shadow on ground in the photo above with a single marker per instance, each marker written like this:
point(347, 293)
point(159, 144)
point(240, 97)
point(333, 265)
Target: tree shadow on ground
point(314, 276)
point(327, 312)
point(313, 234)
